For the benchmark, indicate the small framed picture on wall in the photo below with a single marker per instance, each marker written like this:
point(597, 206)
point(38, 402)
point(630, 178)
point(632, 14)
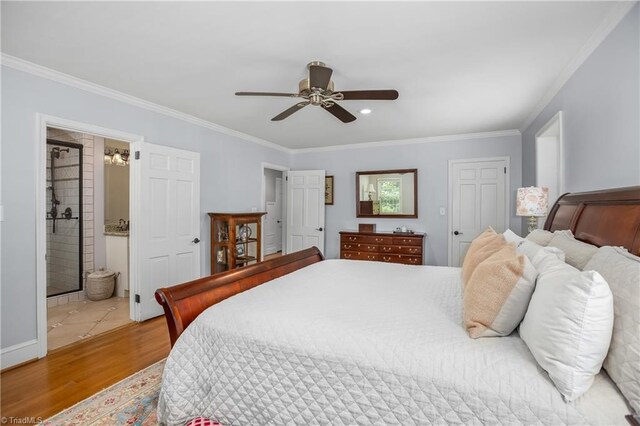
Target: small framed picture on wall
point(328, 190)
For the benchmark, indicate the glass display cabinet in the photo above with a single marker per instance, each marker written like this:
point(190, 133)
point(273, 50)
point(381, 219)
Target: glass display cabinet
point(236, 240)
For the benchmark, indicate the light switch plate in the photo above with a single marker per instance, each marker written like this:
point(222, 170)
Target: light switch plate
point(1, 213)
point(442, 212)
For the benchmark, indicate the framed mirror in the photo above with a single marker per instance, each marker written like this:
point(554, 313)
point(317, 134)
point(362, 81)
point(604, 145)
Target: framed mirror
point(387, 193)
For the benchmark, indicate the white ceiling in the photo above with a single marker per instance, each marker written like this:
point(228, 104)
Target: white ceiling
point(460, 67)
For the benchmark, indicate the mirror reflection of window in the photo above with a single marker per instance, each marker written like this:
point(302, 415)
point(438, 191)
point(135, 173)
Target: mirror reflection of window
point(390, 195)
point(387, 193)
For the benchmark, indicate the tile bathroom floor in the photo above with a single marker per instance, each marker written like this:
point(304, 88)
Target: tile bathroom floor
point(75, 321)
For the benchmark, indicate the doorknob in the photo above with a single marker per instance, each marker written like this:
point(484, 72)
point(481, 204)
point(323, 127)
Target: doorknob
point(195, 240)
point(319, 229)
point(457, 233)
point(277, 221)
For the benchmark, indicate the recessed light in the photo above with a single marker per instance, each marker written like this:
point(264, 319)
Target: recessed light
point(365, 111)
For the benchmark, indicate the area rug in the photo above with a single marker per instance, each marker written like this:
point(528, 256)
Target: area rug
point(132, 401)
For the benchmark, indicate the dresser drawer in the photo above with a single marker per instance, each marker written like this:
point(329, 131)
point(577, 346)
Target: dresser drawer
point(392, 249)
point(401, 258)
point(359, 247)
point(356, 239)
point(407, 241)
point(359, 255)
point(381, 240)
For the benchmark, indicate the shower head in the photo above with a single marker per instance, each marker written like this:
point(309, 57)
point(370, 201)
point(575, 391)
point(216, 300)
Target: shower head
point(55, 152)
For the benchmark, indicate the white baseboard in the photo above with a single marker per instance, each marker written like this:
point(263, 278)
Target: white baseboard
point(18, 353)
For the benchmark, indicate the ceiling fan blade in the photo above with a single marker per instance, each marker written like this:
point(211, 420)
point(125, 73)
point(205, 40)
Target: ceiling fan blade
point(372, 95)
point(288, 95)
point(340, 113)
point(284, 114)
point(319, 76)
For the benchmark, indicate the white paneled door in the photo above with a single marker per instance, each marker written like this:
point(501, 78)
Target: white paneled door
point(169, 206)
point(305, 210)
point(478, 199)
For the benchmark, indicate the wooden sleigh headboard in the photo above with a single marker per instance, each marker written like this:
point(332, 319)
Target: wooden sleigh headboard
point(603, 218)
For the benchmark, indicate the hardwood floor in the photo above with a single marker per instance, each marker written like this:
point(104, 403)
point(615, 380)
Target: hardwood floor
point(70, 374)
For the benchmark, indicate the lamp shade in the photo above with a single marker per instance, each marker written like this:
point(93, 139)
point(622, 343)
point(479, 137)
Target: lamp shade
point(371, 188)
point(532, 201)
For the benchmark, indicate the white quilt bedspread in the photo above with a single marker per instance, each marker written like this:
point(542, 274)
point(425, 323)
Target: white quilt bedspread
point(345, 343)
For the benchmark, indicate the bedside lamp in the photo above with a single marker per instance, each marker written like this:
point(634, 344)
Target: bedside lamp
point(371, 190)
point(532, 202)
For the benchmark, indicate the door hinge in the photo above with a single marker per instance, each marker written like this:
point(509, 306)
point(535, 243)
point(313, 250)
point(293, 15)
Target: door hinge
point(137, 298)
point(137, 155)
point(505, 170)
point(286, 178)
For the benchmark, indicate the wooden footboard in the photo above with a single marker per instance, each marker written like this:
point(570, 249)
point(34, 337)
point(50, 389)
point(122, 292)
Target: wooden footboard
point(183, 303)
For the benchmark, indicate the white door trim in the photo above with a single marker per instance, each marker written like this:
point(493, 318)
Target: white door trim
point(284, 170)
point(557, 118)
point(507, 204)
point(42, 122)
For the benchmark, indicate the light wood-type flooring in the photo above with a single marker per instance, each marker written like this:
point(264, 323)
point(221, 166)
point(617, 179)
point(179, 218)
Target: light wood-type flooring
point(68, 375)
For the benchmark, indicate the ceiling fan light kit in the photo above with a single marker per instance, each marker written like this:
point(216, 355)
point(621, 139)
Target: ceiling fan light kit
point(318, 90)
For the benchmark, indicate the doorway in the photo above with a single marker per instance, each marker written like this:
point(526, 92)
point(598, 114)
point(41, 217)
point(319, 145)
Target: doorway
point(274, 207)
point(273, 202)
point(56, 309)
point(478, 198)
point(84, 295)
point(550, 159)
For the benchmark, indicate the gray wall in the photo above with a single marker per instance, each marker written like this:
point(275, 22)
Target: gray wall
point(230, 176)
point(601, 109)
point(431, 160)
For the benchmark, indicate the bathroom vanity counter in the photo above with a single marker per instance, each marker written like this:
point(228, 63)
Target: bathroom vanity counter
point(115, 231)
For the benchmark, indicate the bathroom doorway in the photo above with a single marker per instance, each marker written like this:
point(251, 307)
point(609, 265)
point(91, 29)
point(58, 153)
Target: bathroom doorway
point(86, 254)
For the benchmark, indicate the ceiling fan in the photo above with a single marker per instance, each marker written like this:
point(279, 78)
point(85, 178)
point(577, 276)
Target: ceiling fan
point(318, 90)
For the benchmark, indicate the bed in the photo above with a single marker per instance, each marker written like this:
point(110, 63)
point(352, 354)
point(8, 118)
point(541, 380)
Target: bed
point(319, 341)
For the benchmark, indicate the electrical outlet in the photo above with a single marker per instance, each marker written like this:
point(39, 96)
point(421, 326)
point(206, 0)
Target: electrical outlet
point(442, 211)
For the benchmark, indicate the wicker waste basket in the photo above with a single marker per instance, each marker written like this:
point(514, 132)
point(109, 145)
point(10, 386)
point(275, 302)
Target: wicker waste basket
point(100, 285)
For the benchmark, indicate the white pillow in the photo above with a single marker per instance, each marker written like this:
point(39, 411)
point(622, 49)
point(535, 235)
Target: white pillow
point(622, 271)
point(538, 254)
point(577, 253)
point(512, 237)
point(568, 326)
point(540, 236)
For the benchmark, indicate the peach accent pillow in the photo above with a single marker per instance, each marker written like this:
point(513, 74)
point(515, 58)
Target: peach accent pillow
point(483, 246)
point(498, 293)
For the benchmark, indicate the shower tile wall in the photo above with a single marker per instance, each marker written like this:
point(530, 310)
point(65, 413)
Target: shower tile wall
point(62, 247)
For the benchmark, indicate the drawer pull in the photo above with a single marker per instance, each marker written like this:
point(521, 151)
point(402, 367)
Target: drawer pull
point(413, 250)
point(406, 241)
point(353, 238)
point(347, 246)
point(347, 255)
point(387, 249)
point(386, 259)
point(378, 240)
point(371, 257)
point(413, 260)
point(371, 247)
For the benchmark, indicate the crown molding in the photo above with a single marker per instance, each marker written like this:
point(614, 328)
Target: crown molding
point(78, 83)
point(613, 18)
point(413, 141)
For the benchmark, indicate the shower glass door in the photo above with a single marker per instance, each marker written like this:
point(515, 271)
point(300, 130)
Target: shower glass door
point(64, 217)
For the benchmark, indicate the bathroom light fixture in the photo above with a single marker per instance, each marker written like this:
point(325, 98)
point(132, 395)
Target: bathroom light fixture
point(365, 111)
point(115, 157)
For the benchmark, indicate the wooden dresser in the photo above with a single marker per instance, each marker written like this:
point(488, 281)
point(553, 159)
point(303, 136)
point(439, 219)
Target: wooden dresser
point(382, 247)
